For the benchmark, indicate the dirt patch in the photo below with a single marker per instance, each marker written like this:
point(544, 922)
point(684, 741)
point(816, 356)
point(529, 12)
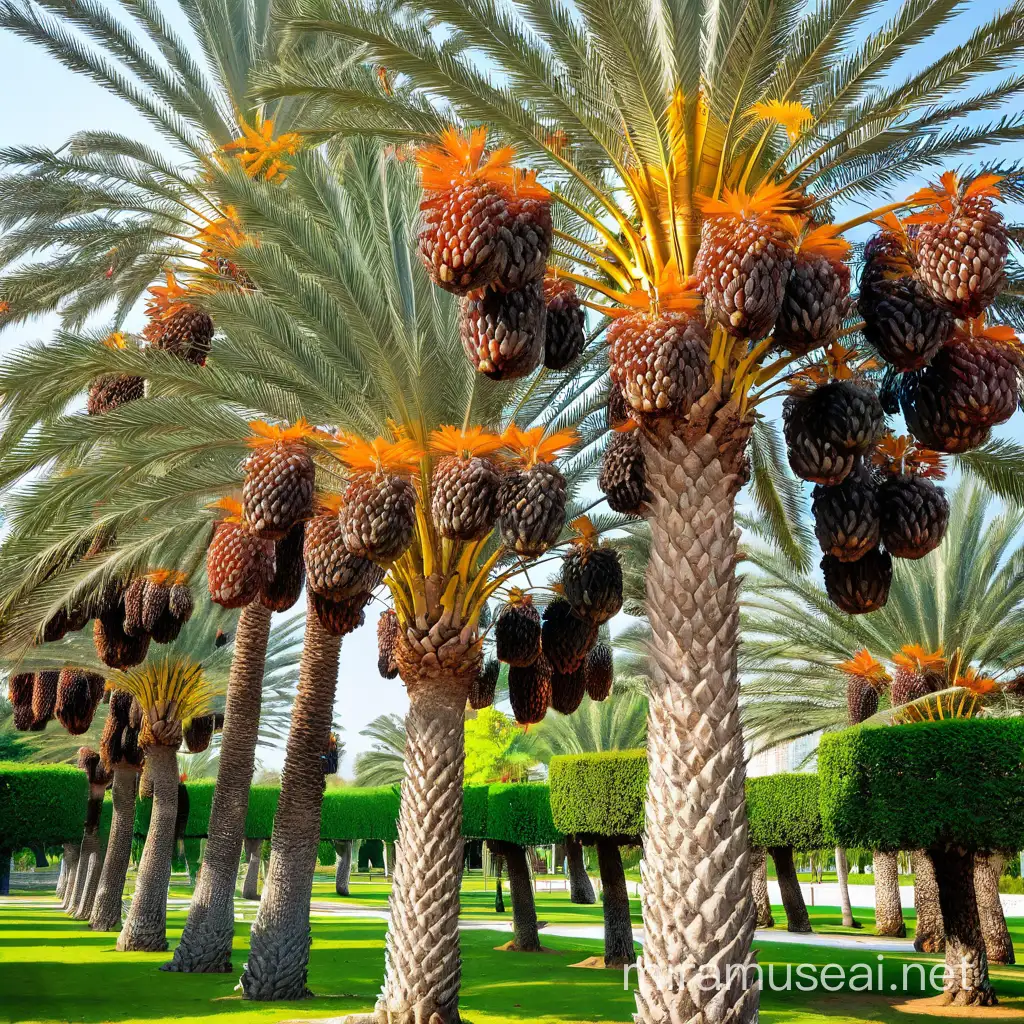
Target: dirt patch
point(932, 1006)
point(596, 963)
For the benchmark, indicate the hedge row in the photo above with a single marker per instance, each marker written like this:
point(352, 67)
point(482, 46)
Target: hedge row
point(783, 811)
point(913, 786)
point(599, 794)
point(348, 812)
point(41, 804)
point(521, 813)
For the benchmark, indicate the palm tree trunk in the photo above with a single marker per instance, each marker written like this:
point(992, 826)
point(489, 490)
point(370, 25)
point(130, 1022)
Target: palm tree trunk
point(843, 874)
point(967, 981)
point(424, 968)
point(343, 869)
point(92, 880)
point(697, 901)
point(280, 939)
point(145, 927)
point(525, 936)
point(87, 851)
point(68, 867)
point(888, 908)
point(581, 889)
point(106, 908)
point(253, 857)
point(797, 918)
point(618, 926)
point(998, 944)
point(205, 945)
point(929, 935)
point(759, 885)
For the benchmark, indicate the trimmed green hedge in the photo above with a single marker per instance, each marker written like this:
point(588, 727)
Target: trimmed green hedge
point(41, 804)
point(912, 786)
point(783, 811)
point(348, 812)
point(521, 813)
point(599, 794)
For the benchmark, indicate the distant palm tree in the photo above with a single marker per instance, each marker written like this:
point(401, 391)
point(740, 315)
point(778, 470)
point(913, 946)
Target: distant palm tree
point(384, 763)
point(966, 596)
point(617, 723)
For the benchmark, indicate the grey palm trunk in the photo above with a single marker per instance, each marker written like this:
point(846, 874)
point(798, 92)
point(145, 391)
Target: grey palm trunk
point(106, 908)
point(618, 925)
point(998, 944)
point(797, 918)
point(343, 867)
point(929, 933)
point(423, 965)
point(68, 866)
point(525, 934)
point(759, 884)
point(888, 906)
point(581, 889)
point(843, 876)
point(280, 939)
point(205, 945)
point(88, 852)
point(967, 981)
point(253, 858)
point(145, 927)
point(697, 899)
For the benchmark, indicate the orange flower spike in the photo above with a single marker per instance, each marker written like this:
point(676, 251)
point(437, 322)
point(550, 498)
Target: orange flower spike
point(328, 504)
point(232, 506)
point(916, 658)
point(379, 455)
point(975, 682)
point(115, 340)
point(459, 159)
point(824, 240)
point(864, 666)
point(5, 307)
point(948, 192)
point(768, 202)
point(586, 532)
point(266, 435)
point(260, 153)
point(449, 440)
point(792, 116)
point(171, 577)
point(904, 455)
point(166, 298)
point(532, 447)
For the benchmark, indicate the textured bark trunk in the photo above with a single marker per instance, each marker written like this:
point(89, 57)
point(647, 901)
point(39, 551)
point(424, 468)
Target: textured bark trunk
point(424, 967)
point(40, 855)
point(618, 926)
point(698, 906)
point(68, 870)
point(106, 908)
point(797, 919)
point(253, 856)
point(888, 908)
point(525, 936)
point(581, 889)
point(929, 935)
point(86, 852)
point(759, 886)
point(145, 927)
point(343, 867)
point(205, 945)
point(967, 981)
point(998, 944)
point(280, 939)
point(92, 880)
point(843, 874)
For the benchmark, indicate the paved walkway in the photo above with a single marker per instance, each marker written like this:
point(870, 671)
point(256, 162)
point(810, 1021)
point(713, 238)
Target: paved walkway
point(245, 910)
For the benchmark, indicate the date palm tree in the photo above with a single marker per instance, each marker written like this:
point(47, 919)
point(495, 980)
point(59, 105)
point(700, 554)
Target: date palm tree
point(640, 116)
point(341, 328)
point(98, 220)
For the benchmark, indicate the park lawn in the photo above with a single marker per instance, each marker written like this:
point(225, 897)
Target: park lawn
point(54, 970)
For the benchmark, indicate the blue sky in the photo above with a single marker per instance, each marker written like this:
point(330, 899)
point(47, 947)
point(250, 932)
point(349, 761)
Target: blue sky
point(45, 103)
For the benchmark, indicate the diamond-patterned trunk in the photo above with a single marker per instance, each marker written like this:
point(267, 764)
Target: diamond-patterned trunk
point(697, 903)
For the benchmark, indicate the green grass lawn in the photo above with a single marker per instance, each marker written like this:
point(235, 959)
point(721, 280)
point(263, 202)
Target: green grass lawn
point(54, 970)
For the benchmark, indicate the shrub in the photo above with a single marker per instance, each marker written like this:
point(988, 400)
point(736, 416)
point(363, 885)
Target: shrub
point(41, 804)
point(911, 786)
point(599, 794)
point(474, 811)
point(783, 811)
point(326, 854)
point(521, 813)
point(355, 812)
